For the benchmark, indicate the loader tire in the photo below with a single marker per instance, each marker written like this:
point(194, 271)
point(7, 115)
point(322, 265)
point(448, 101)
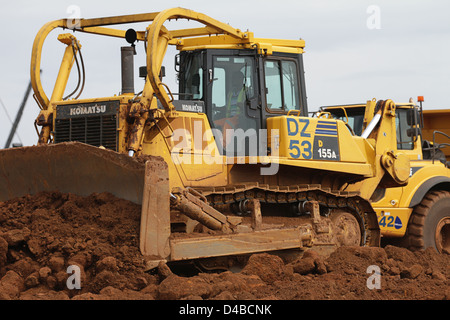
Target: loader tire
point(429, 225)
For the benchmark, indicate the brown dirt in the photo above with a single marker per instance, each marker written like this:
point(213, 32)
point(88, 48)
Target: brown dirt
point(41, 235)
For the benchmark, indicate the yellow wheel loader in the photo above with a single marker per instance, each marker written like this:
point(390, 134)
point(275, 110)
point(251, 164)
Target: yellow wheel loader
point(417, 215)
point(233, 165)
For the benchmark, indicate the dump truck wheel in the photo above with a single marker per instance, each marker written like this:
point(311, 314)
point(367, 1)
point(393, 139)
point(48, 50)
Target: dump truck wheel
point(429, 225)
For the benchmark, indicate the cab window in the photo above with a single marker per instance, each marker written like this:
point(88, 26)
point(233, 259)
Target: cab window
point(404, 142)
point(282, 85)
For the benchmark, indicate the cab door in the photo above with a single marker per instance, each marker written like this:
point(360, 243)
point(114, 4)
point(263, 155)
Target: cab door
point(233, 101)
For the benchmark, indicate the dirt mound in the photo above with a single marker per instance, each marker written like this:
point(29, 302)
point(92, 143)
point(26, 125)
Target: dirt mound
point(43, 236)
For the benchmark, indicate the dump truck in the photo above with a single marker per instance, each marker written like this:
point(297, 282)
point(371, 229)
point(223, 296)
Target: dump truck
point(229, 165)
point(416, 216)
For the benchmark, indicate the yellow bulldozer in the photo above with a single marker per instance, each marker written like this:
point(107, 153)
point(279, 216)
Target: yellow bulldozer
point(417, 215)
point(232, 166)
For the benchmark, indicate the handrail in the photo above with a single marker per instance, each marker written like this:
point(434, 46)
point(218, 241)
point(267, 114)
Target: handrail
point(434, 142)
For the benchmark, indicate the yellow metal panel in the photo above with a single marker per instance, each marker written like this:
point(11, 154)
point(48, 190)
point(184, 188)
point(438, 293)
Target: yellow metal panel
point(393, 221)
point(345, 167)
point(391, 199)
point(266, 46)
point(324, 144)
point(133, 18)
point(421, 171)
point(282, 42)
point(194, 32)
point(189, 149)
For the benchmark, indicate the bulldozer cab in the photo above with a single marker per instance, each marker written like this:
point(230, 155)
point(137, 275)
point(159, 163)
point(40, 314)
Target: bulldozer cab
point(242, 88)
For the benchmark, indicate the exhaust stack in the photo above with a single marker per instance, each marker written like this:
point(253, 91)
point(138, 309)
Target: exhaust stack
point(127, 55)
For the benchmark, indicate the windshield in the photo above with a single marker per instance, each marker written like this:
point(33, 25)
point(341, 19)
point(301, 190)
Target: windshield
point(355, 117)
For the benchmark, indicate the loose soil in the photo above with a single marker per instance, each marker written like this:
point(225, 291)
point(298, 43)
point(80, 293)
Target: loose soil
point(42, 235)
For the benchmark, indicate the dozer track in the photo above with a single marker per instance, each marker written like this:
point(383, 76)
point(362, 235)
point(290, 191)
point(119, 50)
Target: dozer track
point(289, 199)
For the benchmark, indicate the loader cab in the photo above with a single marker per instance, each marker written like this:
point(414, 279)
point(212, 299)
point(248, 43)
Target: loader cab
point(241, 89)
point(408, 123)
point(352, 115)
point(427, 143)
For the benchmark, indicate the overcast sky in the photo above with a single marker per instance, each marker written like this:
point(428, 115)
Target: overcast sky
point(356, 50)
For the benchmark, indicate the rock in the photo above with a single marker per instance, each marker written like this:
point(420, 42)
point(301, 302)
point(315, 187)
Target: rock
point(61, 278)
point(139, 283)
point(175, 287)
point(447, 294)
point(56, 263)
point(111, 291)
point(44, 273)
point(163, 270)
point(35, 247)
point(192, 297)
point(16, 236)
point(413, 272)
point(87, 296)
point(3, 251)
point(52, 282)
point(245, 295)
point(321, 268)
point(11, 285)
point(82, 259)
point(394, 270)
point(304, 266)
point(108, 263)
point(106, 278)
point(311, 254)
point(438, 276)
point(151, 289)
point(236, 282)
point(24, 267)
point(399, 254)
point(42, 293)
point(32, 280)
point(224, 295)
point(269, 268)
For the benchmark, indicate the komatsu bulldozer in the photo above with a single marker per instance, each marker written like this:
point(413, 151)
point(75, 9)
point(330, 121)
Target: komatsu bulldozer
point(232, 166)
point(417, 215)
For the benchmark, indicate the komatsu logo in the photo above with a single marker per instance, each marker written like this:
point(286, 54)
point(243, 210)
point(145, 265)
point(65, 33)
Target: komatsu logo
point(80, 110)
point(192, 108)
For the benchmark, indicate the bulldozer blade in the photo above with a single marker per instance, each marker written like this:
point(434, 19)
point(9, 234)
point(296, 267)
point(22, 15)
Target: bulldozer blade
point(71, 167)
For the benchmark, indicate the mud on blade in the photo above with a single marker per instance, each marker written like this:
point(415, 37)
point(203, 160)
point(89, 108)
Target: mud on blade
point(70, 167)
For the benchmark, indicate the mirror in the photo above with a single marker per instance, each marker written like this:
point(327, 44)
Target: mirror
point(412, 116)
